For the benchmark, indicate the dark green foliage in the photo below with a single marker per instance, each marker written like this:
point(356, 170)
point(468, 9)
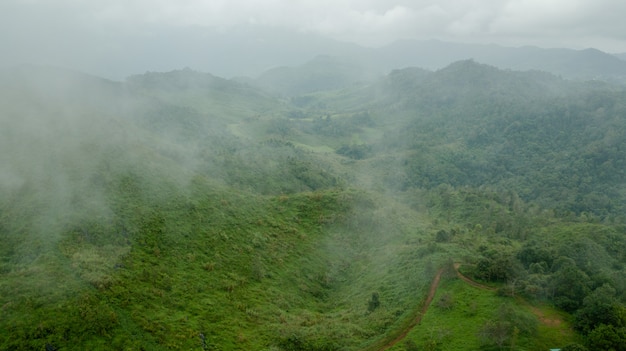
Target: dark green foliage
point(357, 152)
point(498, 130)
point(446, 302)
point(498, 266)
point(443, 236)
point(600, 307)
point(569, 284)
point(607, 337)
point(533, 254)
point(374, 302)
point(574, 347)
point(298, 343)
point(410, 345)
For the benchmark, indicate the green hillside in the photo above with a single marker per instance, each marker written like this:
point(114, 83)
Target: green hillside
point(181, 210)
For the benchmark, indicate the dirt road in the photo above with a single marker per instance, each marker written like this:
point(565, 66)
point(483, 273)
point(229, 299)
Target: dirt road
point(429, 298)
point(470, 281)
point(552, 322)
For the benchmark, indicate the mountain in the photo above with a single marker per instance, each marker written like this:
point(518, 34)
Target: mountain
point(319, 74)
point(364, 66)
point(250, 50)
point(477, 107)
point(245, 50)
point(620, 56)
point(181, 210)
point(572, 64)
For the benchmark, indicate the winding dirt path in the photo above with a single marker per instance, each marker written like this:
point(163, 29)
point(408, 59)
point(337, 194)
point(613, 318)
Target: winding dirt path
point(470, 281)
point(555, 322)
point(429, 298)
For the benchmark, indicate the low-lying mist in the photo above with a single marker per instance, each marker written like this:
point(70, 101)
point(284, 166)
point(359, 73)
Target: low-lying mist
point(182, 210)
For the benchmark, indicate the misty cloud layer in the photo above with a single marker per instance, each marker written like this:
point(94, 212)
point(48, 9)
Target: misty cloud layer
point(374, 22)
point(118, 38)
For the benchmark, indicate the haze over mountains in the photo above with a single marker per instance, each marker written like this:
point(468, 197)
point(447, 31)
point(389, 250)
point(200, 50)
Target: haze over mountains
point(251, 50)
point(212, 175)
point(181, 210)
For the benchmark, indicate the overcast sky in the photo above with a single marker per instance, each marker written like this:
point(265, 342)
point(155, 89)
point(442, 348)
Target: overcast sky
point(50, 30)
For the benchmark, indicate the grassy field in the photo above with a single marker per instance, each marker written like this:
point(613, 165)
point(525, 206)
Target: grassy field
point(459, 312)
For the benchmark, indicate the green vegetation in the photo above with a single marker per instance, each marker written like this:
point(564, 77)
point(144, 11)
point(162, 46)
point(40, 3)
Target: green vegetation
point(184, 211)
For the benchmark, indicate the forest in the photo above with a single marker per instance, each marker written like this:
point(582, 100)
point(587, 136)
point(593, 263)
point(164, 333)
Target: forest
point(467, 208)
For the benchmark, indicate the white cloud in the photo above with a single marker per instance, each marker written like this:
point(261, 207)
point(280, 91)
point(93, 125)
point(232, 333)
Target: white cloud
point(72, 31)
point(364, 21)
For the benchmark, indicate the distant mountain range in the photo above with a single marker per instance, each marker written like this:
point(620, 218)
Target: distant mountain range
point(568, 63)
point(249, 51)
point(335, 72)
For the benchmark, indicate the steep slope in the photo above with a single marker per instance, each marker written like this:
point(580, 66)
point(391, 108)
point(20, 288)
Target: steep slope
point(138, 221)
point(220, 99)
point(506, 129)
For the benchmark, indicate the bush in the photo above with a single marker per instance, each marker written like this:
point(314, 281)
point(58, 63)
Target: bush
point(356, 152)
point(507, 324)
point(574, 347)
point(446, 302)
point(443, 236)
point(374, 302)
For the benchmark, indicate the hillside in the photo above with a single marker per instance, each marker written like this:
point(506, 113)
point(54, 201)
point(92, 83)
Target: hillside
point(320, 74)
point(571, 64)
point(621, 56)
point(181, 210)
point(349, 69)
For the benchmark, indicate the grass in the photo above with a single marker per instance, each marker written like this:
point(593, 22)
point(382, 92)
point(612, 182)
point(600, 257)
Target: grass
point(259, 236)
point(459, 311)
point(454, 327)
point(555, 327)
point(244, 270)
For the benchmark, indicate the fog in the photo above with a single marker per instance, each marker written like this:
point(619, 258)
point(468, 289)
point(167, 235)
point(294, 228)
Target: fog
point(242, 38)
point(247, 175)
point(57, 126)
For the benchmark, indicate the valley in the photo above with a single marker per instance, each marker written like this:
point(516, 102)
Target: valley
point(180, 210)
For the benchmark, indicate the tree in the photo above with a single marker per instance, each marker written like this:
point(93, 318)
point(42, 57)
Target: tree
point(499, 267)
point(446, 301)
point(496, 332)
point(600, 307)
point(569, 284)
point(607, 337)
point(443, 236)
point(374, 302)
point(506, 326)
point(534, 253)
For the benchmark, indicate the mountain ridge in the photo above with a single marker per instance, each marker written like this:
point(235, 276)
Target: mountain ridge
point(588, 64)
